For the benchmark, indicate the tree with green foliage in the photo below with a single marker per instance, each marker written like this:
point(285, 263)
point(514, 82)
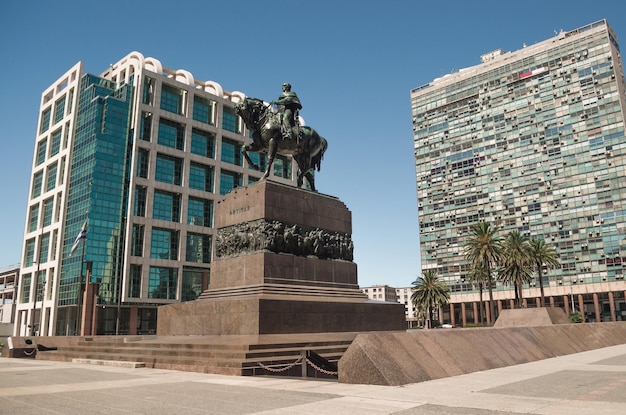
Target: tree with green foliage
point(483, 249)
point(478, 275)
point(429, 291)
point(516, 264)
point(576, 317)
point(542, 254)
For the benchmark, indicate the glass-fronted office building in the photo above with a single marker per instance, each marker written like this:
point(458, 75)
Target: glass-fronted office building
point(533, 141)
point(139, 157)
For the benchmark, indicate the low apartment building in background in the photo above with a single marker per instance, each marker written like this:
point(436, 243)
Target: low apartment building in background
point(9, 277)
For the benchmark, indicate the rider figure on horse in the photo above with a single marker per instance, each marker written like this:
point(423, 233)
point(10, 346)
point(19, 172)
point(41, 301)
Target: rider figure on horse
point(289, 105)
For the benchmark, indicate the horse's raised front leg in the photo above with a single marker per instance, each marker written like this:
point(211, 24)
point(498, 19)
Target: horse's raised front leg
point(271, 153)
point(244, 151)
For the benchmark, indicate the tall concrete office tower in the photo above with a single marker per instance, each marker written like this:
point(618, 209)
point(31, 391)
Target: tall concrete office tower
point(533, 141)
point(138, 156)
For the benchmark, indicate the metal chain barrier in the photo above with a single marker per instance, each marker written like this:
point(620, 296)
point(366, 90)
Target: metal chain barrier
point(31, 352)
point(288, 366)
point(282, 369)
point(319, 369)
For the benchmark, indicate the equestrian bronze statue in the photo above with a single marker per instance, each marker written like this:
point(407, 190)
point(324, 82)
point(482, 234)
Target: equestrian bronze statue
point(306, 146)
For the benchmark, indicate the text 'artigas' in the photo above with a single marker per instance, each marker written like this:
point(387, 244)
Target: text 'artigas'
point(237, 211)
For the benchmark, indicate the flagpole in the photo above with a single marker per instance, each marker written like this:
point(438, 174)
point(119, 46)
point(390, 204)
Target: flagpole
point(119, 286)
point(81, 237)
point(36, 285)
point(79, 314)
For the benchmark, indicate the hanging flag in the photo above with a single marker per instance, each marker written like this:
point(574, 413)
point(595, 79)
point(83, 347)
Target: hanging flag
point(82, 235)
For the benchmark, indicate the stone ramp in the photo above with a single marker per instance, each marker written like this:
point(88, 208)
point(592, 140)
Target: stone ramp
point(524, 317)
point(284, 355)
point(394, 358)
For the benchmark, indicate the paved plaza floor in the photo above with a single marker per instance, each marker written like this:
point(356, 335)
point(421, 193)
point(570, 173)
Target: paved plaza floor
point(587, 383)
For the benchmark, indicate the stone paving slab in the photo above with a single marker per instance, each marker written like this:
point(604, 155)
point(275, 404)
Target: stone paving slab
point(570, 385)
point(589, 383)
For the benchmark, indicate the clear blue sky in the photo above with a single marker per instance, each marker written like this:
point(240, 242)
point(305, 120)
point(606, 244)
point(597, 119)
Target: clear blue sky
point(352, 63)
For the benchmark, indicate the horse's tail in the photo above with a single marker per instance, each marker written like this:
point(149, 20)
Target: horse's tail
point(316, 162)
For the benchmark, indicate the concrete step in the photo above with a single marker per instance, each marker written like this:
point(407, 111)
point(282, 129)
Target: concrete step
point(148, 359)
point(115, 363)
point(282, 358)
point(152, 359)
point(171, 351)
point(328, 352)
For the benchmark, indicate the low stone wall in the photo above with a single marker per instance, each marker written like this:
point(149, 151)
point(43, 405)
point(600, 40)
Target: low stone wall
point(23, 346)
point(391, 358)
point(523, 317)
point(5, 332)
point(6, 329)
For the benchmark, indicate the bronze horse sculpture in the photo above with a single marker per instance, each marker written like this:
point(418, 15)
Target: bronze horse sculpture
point(307, 150)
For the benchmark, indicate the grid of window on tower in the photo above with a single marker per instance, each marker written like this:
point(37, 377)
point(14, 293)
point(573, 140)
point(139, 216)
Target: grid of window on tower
point(188, 154)
point(167, 205)
point(531, 141)
point(178, 169)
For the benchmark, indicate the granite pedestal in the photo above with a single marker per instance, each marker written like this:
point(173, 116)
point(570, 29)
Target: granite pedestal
point(283, 264)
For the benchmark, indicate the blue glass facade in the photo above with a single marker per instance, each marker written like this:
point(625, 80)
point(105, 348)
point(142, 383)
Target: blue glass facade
point(138, 154)
point(97, 191)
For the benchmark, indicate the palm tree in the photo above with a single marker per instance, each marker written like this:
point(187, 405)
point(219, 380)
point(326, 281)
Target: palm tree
point(516, 263)
point(429, 291)
point(542, 254)
point(483, 250)
point(479, 276)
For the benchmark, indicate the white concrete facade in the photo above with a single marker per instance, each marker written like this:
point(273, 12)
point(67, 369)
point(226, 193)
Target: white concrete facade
point(44, 230)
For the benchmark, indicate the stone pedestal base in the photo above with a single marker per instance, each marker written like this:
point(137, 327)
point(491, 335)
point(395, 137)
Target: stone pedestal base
point(259, 315)
point(265, 268)
point(284, 265)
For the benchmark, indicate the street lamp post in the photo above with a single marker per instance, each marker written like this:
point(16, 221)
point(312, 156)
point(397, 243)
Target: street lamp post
point(35, 289)
point(36, 285)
